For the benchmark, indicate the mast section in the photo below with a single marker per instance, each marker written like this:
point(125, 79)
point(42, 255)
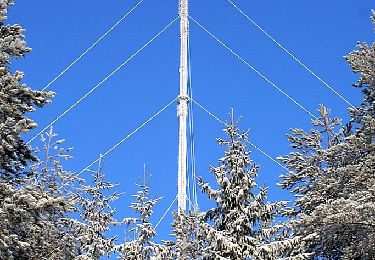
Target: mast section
point(182, 108)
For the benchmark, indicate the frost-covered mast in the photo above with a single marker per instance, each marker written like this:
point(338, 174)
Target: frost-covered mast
point(182, 108)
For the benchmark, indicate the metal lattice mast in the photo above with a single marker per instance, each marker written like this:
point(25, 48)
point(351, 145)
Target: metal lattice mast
point(182, 108)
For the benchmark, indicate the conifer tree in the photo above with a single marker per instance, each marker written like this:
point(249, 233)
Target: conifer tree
point(332, 175)
point(188, 229)
point(141, 246)
point(16, 99)
point(34, 216)
point(97, 215)
point(241, 226)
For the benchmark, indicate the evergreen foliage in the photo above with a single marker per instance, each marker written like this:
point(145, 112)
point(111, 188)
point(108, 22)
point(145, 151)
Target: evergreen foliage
point(142, 230)
point(16, 99)
point(188, 230)
point(98, 217)
point(241, 226)
point(34, 218)
point(50, 213)
point(332, 175)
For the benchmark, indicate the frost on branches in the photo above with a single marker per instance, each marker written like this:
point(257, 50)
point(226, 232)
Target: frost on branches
point(16, 99)
point(34, 220)
point(332, 176)
point(188, 230)
point(98, 217)
point(241, 226)
point(140, 229)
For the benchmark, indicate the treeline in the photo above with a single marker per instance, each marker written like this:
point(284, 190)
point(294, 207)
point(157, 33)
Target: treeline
point(48, 212)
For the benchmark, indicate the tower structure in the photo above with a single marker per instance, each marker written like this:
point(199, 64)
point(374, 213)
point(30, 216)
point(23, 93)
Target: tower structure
point(182, 109)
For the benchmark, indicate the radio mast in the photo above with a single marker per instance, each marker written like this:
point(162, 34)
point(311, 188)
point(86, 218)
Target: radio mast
point(182, 108)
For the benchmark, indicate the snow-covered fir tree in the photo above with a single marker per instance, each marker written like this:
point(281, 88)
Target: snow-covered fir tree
point(332, 176)
point(362, 61)
point(241, 226)
point(188, 230)
point(16, 99)
point(34, 215)
point(138, 244)
point(97, 215)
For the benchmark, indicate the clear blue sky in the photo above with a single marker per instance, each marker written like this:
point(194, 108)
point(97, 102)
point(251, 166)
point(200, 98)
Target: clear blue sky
point(318, 32)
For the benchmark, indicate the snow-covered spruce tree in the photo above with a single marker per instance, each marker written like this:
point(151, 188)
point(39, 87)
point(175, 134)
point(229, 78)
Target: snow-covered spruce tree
point(16, 99)
point(332, 175)
point(34, 220)
point(139, 245)
point(362, 61)
point(98, 217)
point(188, 229)
point(241, 226)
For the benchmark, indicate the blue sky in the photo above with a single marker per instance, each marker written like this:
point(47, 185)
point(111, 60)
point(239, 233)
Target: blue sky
point(318, 32)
